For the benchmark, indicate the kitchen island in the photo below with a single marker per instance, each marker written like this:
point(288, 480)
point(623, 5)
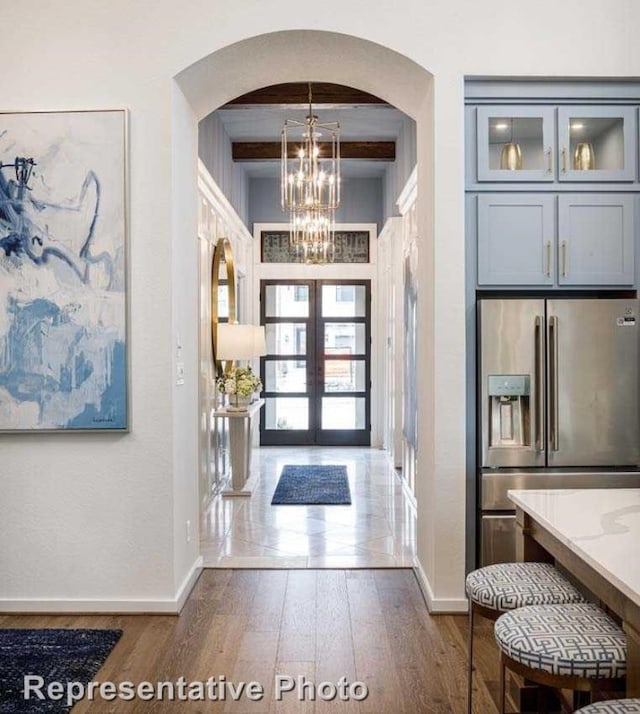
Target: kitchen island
point(595, 535)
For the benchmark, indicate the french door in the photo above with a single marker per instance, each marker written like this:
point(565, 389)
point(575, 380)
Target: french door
point(317, 371)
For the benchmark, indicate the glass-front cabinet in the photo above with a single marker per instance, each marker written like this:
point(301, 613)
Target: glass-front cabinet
point(596, 143)
point(515, 143)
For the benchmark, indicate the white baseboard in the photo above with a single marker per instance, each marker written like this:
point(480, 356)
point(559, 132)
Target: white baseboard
point(438, 606)
point(164, 606)
point(187, 584)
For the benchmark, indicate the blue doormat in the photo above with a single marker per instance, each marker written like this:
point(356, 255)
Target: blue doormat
point(317, 485)
point(56, 656)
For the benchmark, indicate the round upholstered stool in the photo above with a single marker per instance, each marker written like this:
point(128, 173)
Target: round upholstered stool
point(615, 706)
point(496, 589)
point(576, 646)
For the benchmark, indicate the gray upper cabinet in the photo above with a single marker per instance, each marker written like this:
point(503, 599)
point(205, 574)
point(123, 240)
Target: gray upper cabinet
point(553, 185)
point(596, 239)
point(516, 239)
point(596, 143)
point(515, 143)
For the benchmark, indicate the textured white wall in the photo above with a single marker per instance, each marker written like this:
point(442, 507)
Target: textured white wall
point(86, 516)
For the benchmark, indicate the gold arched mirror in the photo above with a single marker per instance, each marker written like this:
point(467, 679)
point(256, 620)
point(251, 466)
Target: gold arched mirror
point(223, 290)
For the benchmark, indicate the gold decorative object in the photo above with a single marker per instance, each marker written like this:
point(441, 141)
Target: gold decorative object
point(511, 157)
point(222, 253)
point(584, 159)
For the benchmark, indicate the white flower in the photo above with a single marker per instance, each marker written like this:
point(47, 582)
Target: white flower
point(239, 380)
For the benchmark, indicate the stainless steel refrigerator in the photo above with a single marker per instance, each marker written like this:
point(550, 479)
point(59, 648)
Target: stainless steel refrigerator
point(559, 402)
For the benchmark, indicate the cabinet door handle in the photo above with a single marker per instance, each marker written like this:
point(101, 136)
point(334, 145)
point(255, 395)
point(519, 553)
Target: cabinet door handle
point(564, 160)
point(554, 436)
point(564, 259)
point(539, 386)
point(549, 160)
point(547, 261)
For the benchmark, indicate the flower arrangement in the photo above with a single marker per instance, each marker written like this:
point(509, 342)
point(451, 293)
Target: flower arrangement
point(239, 382)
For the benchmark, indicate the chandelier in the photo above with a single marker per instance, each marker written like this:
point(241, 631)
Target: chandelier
point(310, 184)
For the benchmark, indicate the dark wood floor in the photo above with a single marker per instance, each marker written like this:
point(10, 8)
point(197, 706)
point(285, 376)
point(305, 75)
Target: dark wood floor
point(368, 625)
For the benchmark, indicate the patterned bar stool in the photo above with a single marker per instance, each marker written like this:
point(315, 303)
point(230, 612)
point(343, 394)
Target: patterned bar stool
point(496, 589)
point(576, 646)
point(614, 706)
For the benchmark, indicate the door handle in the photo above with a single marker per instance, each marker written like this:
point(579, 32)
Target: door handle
point(547, 270)
point(553, 383)
point(564, 159)
point(549, 160)
point(539, 386)
point(564, 259)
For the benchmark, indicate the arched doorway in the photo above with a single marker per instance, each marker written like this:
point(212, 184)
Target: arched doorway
point(298, 56)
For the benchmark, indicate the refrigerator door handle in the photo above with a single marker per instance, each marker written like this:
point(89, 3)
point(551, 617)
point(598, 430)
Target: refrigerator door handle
point(539, 392)
point(553, 383)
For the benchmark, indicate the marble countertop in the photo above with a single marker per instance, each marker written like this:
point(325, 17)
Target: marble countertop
point(601, 526)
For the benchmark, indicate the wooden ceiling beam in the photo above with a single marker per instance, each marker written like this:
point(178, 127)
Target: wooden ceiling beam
point(269, 150)
point(298, 93)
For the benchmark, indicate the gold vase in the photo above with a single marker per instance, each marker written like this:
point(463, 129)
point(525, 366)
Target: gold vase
point(583, 157)
point(511, 157)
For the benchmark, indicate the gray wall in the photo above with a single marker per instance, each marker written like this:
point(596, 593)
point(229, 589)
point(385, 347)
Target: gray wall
point(214, 150)
point(361, 201)
point(258, 200)
point(397, 173)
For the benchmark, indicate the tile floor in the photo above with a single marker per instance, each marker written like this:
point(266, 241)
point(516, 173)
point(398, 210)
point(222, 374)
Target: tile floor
point(376, 531)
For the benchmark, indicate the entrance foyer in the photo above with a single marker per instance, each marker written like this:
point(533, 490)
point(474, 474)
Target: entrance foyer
point(378, 529)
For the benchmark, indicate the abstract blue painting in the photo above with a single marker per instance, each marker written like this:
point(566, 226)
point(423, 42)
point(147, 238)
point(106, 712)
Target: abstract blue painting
point(63, 302)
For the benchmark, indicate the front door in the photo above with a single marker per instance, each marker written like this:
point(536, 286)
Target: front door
point(317, 371)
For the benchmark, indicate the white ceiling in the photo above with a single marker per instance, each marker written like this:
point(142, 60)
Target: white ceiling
point(357, 123)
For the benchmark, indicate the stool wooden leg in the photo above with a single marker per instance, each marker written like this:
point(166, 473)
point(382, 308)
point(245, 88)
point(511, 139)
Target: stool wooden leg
point(470, 659)
point(502, 685)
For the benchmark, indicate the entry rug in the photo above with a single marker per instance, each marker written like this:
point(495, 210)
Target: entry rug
point(56, 656)
point(316, 485)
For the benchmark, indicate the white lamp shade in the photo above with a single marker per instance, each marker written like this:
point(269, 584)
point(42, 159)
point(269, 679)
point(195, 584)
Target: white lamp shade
point(259, 341)
point(235, 341)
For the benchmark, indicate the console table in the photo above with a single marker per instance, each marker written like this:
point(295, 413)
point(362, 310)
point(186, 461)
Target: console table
point(240, 437)
point(594, 534)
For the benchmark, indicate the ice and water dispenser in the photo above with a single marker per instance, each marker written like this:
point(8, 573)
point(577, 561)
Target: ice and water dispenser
point(509, 410)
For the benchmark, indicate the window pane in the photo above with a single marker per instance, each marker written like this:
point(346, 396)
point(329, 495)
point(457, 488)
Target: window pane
point(596, 143)
point(285, 375)
point(343, 413)
point(287, 413)
point(523, 132)
point(345, 375)
point(344, 338)
point(286, 338)
point(343, 301)
point(287, 301)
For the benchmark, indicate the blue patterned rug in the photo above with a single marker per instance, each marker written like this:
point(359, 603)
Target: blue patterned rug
point(317, 485)
point(56, 656)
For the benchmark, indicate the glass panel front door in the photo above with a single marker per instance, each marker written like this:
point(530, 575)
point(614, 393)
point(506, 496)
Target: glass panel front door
point(317, 370)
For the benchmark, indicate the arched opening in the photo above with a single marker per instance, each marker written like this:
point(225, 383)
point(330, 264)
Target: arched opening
point(326, 57)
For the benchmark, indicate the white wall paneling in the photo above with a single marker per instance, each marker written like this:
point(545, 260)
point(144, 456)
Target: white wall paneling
point(217, 219)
